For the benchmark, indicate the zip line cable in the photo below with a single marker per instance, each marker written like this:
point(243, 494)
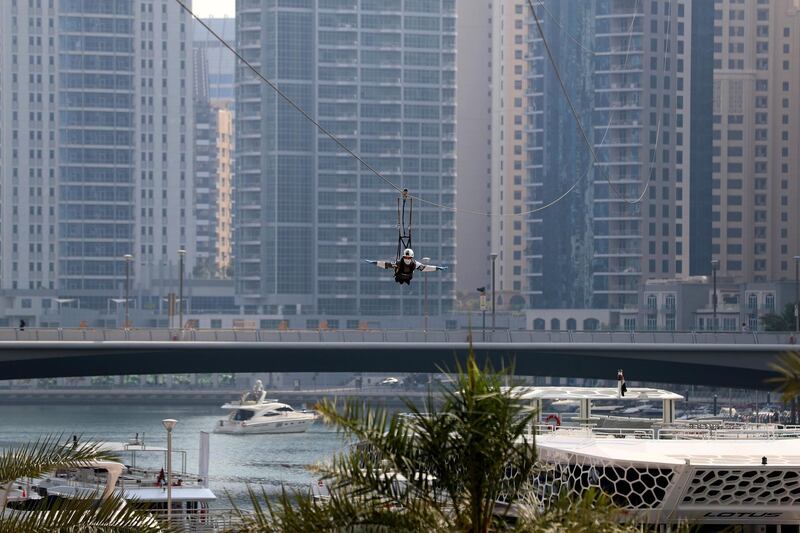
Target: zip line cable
point(339, 143)
point(561, 82)
point(287, 99)
point(369, 167)
point(581, 129)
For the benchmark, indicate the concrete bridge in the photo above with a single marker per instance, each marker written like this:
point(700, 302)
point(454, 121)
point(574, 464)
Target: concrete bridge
point(717, 359)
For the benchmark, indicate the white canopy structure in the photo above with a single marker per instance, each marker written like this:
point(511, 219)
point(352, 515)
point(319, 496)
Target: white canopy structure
point(586, 395)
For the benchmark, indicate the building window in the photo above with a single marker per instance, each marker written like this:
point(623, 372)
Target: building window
point(769, 302)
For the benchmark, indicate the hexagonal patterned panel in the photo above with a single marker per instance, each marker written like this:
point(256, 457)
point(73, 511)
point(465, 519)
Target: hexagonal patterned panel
point(743, 487)
point(630, 487)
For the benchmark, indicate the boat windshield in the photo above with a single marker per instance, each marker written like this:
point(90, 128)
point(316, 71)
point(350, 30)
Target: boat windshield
point(284, 409)
point(243, 414)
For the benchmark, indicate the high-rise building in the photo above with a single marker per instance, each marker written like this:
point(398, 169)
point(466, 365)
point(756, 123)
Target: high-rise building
point(626, 65)
point(96, 144)
point(213, 108)
point(216, 78)
point(213, 195)
point(508, 153)
point(474, 133)
point(701, 126)
point(756, 192)
point(380, 74)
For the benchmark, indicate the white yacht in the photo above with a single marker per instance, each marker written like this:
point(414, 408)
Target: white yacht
point(255, 413)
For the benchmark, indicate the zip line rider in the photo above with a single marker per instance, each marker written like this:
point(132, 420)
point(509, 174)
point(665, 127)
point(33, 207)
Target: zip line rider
point(405, 267)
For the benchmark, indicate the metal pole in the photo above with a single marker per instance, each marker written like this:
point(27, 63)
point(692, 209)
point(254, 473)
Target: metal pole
point(426, 301)
point(426, 260)
point(128, 258)
point(181, 254)
point(714, 267)
point(169, 475)
point(797, 294)
point(494, 256)
point(715, 300)
point(169, 424)
point(484, 325)
point(796, 321)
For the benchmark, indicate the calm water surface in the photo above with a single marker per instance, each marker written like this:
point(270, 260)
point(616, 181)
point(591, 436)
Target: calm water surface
point(236, 460)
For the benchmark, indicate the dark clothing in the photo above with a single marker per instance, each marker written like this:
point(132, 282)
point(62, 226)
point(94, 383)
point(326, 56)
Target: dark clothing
point(22, 325)
point(403, 272)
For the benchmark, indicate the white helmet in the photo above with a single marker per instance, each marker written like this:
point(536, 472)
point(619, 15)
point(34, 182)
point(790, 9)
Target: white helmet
point(408, 252)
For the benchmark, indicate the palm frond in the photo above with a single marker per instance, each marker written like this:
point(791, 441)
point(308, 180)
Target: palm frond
point(787, 365)
point(594, 512)
point(47, 454)
point(81, 515)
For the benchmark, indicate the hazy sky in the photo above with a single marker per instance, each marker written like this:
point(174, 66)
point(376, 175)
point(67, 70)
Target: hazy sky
point(214, 8)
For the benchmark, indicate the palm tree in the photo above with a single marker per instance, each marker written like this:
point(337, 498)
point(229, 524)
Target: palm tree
point(787, 365)
point(74, 515)
point(442, 469)
point(779, 322)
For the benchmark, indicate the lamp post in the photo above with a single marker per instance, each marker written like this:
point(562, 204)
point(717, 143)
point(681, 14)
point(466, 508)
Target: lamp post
point(128, 259)
point(714, 268)
point(426, 260)
point(181, 255)
point(169, 425)
point(482, 290)
point(494, 257)
point(797, 294)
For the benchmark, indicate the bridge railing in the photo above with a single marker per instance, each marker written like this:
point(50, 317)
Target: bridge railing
point(395, 336)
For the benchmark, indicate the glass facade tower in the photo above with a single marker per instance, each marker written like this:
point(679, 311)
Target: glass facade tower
point(96, 140)
point(380, 74)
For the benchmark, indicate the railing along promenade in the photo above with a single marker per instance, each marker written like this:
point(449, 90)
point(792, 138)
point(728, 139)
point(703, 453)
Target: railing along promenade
point(394, 336)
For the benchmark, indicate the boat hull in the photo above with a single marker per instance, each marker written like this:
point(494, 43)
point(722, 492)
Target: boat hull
point(299, 425)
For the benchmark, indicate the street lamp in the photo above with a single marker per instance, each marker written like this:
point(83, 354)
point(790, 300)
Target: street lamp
point(494, 257)
point(128, 259)
point(714, 268)
point(425, 261)
point(181, 255)
point(482, 290)
point(797, 294)
point(169, 425)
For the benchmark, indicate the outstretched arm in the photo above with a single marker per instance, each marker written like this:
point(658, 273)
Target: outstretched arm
point(381, 264)
point(429, 268)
